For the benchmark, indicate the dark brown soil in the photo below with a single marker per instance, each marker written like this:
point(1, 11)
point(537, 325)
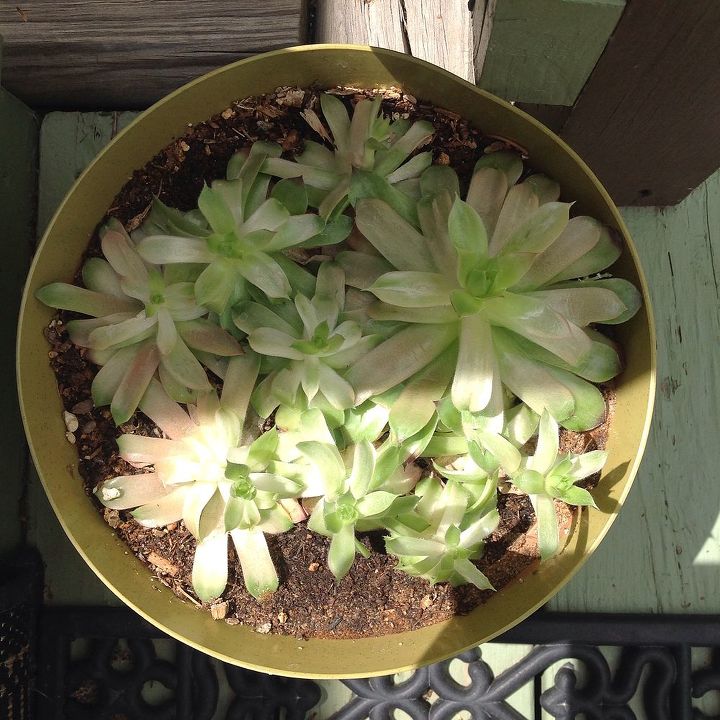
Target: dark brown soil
point(374, 598)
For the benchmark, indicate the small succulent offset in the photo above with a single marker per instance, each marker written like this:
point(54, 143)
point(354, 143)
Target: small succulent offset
point(401, 374)
point(549, 475)
point(368, 144)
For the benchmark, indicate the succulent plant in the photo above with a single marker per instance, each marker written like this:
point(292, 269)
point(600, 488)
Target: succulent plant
point(547, 475)
point(142, 323)
point(494, 273)
point(369, 144)
point(203, 475)
point(444, 532)
point(245, 233)
point(358, 496)
point(314, 343)
point(450, 329)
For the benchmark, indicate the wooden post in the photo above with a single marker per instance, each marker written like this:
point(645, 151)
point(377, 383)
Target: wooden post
point(647, 120)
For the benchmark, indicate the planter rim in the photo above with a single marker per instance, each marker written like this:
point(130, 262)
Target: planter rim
point(70, 522)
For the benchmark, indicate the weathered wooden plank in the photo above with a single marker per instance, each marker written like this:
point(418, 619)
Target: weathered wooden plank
point(542, 51)
point(663, 553)
point(439, 31)
point(129, 53)
point(647, 120)
point(18, 186)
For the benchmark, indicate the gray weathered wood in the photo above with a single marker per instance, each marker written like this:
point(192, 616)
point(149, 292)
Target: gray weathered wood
point(129, 53)
point(439, 31)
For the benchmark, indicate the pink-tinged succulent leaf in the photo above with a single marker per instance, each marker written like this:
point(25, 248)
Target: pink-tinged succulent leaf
point(396, 240)
point(476, 366)
point(240, 378)
point(539, 323)
point(520, 203)
point(134, 383)
point(79, 330)
point(625, 291)
point(210, 567)
point(412, 289)
point(471, 574)
point(257, 566)
point(268, 341)
point(583, 305)
point(341, 554)
point(206, 336)
point(70, 297)
point(578, 238)
point(432, 316)
point(130, 491)
point(486, 194)
point(343, 359)
point(180, 301)
point(605, 252)
point(338, 391)
point(381, 370)
point(127, 331)
point(540, 230)
point(108, 379)
point(164, 249)
point(122, 255)
point(184, 367)
point(361, 269)
point(166, 510)
point(98, 275)
point(547, 524)
point(166, 332)
point(265, 273)
point(546, 189)
point(416, 404)
point(534, 384)
point(165, 412)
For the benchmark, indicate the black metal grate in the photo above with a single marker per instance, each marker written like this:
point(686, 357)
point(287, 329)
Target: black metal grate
point(106, 679)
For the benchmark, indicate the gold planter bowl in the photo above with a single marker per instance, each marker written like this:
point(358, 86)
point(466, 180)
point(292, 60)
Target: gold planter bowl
point(58, 258)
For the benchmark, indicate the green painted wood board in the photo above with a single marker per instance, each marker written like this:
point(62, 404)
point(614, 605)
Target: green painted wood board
point(663, 553)
point(18, 185)
point(543, 51)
